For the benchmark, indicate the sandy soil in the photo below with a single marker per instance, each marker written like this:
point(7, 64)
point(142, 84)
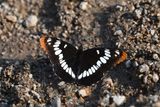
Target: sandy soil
point(27, 79)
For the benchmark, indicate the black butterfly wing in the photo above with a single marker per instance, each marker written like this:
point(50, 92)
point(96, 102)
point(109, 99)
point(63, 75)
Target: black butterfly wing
point(62, 55)
point(93, 63)
point(84, 67)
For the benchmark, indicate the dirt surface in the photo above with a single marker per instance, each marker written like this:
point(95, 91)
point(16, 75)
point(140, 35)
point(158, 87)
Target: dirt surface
point(27, 78)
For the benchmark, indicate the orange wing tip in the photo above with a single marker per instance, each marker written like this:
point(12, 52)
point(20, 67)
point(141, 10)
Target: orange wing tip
point(43, 43)
point(122, 58)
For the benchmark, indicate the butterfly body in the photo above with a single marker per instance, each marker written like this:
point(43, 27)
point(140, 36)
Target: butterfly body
point(75, 65)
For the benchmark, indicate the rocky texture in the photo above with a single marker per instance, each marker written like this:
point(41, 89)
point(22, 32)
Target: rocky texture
point(27, 78)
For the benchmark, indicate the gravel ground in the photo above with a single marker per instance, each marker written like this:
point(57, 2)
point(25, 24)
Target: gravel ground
point(27, 78)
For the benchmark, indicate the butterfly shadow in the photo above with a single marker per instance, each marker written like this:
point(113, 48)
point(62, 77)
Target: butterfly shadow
point(126, 80)
point(10, 69)
point(106, 33)
point(48, 14)
point(120, 72)
point(43, 72)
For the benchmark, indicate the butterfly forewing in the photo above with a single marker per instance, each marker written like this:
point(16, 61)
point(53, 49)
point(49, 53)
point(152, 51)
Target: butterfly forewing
point(63, 56)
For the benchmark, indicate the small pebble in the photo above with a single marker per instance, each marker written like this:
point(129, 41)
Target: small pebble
point(1, 69)
point(138, 13)
point(119, 7)
point(135, 64)
point(118, 99)
point(155, 77)
point(157, 104)
point(144, 68)
point(84, 5)
point(36, 94)
point(128, 63)
point(31, 21)
point(118, 32)
point(58, 100)
point(154, 98)
point(11, 18)
point(153, 32)
point(34, 86)
point(5, 5)
point(105, 101)
point(155, 38)
point(155, 56)
point(108, 83)
point(61, 83)
point(30, 76)
point(84, 92)
point(145, 79)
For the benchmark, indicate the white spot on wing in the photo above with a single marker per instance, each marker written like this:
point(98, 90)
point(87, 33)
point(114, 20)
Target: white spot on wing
point(108, 54)
point(67, 70)
point(107, 51)
point(63, 64)
point(106, 57)
point(56, 49)
point(49, 40)
point(65, 67)
point(49, 43)
point(117, 52)
point(99, 63)
point(60, 56)
point(103, 60)
point(65, 45)
point(95, 67)
point(87, 73)
point(58, 52)
point(80, 76)
point(57, 42)
point(93, 70)
point(61, 61)
point(90, 71)
point(55, 46)
point(97, 52)
point(84, 74)
point(73, 76)
point(70, 71)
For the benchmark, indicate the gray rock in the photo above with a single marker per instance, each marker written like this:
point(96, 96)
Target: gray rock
point(144, 68)
point(138, 13)
point(155, 56)
point(105, 101)
point(84, 5)
point(155, 77)
point(118, 32)
point(119, 99)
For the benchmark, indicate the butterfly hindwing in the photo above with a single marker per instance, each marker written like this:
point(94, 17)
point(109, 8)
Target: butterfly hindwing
point(93, 63)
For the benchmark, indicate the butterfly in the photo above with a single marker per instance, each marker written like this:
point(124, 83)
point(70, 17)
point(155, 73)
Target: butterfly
point(78, 66)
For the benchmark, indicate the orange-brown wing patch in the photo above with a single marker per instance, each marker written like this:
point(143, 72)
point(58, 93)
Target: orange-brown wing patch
point(43, 43)
point(122, 58)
